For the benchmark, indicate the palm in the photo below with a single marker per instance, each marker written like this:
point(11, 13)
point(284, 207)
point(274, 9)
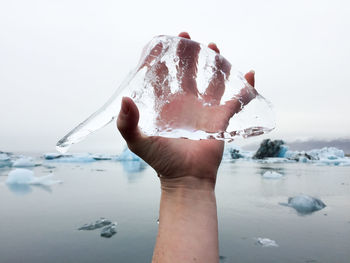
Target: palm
point(185, 109)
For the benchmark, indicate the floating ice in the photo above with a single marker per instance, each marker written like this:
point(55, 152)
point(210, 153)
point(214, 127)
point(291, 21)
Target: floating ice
point(71, 158)
point(95, 225)
point(25, 176)
point(324, 156)
point(103, 157)
point(109, 230)
point(5, 160)
point(272, 175)
point(269, 148)
point(24, 162)
point(184, 89)
point(305, 204)
point(266, 242)
point(51, 156)
point(128, 155)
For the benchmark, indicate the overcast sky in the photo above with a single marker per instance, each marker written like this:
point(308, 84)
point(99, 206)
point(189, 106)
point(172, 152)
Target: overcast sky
point(61, 60)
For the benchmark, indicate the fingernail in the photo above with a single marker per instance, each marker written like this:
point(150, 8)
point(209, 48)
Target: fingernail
point(125, 107)
point(252, 71)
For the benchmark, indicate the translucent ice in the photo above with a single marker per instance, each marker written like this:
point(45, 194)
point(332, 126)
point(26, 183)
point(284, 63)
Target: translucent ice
point(97, 224)
point(305, 204)
point(109, 230)
point(266, 242)
point(25, 176)
point(184, 89)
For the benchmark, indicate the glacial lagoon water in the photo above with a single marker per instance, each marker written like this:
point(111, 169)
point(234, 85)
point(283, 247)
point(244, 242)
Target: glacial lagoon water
point(40, 224)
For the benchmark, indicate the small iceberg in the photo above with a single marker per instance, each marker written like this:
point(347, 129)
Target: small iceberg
point(95, 225)
point(5, 159)
point(24, 162)
point(109, 230)
point(305, 204)
point(70, 158)
point(52, 156)
point(25, 176)
point(266, 242)
point(272, 175)
point(128, 155)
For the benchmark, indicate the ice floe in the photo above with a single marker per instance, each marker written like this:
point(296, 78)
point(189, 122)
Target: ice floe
point(24, 162)
point(25, 176)
point(70, 158)
point(266, 242)
point(272, 175)
point(109, 230)
point(325, 156)
point(95, 225)
point(305, 204)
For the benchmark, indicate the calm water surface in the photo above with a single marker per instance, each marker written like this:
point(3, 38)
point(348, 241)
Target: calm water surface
point(40, 224)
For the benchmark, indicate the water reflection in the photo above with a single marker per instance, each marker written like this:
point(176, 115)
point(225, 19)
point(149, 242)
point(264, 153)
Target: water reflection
point(24, 189)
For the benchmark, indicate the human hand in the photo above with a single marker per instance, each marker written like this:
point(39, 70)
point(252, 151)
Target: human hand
point(182, 162)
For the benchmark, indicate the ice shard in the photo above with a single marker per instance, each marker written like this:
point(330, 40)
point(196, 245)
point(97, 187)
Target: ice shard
point(184, 89)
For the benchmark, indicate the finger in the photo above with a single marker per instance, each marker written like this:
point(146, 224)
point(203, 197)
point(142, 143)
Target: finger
point(185, 35)
point(244, 97)
point(214, 47)
point(128, 120)
point(216, 87)
point(187, 52)
point(250, 77)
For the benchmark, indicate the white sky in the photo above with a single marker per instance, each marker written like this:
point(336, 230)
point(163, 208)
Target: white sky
point(61, 60)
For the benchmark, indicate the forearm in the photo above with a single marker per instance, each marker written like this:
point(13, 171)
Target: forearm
point(188, 227)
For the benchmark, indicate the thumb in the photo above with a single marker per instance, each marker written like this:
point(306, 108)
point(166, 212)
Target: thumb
point(127, 121)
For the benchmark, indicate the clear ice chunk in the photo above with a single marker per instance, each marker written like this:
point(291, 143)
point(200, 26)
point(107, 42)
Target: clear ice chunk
point(109, 230)
point(184, 89)
point(95, 225)
point(305, 204)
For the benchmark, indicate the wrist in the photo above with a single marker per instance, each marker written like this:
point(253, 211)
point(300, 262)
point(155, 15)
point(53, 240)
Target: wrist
point(187, 184)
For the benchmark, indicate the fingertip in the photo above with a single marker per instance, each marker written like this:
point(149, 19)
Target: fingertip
point(214, 47)
point(185, 35)
point(250, 77)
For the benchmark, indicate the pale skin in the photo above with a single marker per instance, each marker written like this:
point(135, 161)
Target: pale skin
point(188, 226)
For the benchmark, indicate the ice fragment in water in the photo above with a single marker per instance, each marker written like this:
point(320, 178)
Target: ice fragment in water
point(184, 89)
point(305, 204)
point(109, 230)
point(97, 224)
point(25, 176)
point(266, 242)
point(272, 175)
point(24, 162)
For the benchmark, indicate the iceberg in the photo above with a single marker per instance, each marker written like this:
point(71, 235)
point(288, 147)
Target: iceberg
point(95, 225)
point(269, 148)
point(180, 88)
point(305, 204)
point(70, 158)
point(24, 176)
point(109, 230)
point(272, 175)
point(5, 159)
point(128, 155)
point(266, 242)
point(24, 162)
point(325, 156)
